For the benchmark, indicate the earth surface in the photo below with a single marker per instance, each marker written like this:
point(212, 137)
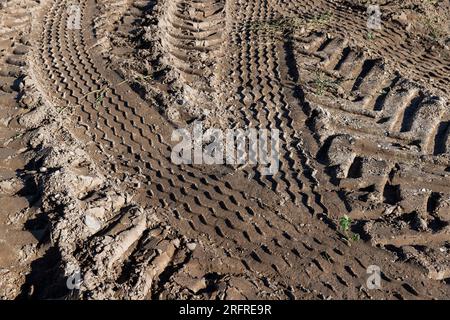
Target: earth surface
point(93, 207)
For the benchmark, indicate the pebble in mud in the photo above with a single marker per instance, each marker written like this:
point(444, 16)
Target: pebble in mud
point(92, 223)
point(191, 246)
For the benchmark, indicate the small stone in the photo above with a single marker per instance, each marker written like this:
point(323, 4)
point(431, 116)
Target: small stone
point(26, 101)
point(176, 243)
point(92, 223)
point(9, 186)
point(420, 224)
point(197, 285)
point(96, 212)
point(191, 246)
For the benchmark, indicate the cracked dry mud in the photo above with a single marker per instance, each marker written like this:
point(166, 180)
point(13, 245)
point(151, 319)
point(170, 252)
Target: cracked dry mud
point(88, 114)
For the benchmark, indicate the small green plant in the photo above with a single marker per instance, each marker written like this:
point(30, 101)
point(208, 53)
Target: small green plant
point(61, 109)
point(323, 82)
point(263, 26)
point(291, 24)
point(141, 79)
point(99, 95)
point(430, 25)
point(321, 20)
point(277, 25)
point(17, 135)
point(345, 224)
point(434, 22)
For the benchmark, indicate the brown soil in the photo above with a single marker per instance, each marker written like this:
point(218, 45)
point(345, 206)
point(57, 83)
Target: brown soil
point(86, 178)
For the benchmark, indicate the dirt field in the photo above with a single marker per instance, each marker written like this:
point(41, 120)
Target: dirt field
point(92, 205)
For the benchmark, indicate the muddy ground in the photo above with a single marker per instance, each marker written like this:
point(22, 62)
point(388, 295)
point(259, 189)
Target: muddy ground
point(93, 207)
